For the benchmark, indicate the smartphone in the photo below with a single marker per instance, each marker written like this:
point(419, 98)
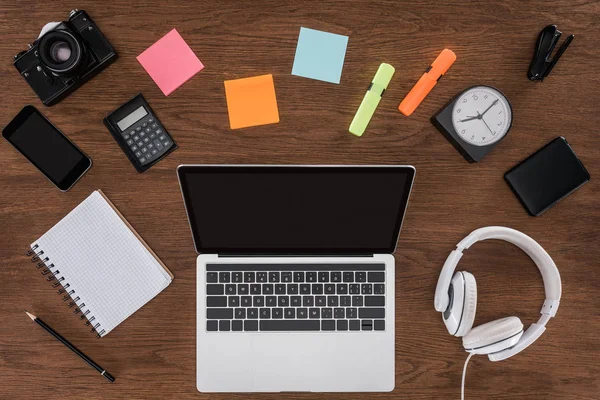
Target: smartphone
point(47, 148)
point(547, 176)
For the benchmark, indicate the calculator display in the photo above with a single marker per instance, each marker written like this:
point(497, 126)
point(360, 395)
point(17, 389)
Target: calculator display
point(132, 118)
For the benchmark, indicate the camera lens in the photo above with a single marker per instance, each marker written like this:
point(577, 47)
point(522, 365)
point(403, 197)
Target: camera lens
point(60, 52)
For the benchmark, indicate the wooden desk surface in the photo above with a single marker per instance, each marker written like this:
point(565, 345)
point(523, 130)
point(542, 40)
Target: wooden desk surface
point(152, 354)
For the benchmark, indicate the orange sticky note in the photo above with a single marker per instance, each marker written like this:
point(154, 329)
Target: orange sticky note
point(251, 101)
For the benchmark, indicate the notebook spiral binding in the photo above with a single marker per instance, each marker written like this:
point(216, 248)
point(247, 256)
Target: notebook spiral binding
point(54, 275)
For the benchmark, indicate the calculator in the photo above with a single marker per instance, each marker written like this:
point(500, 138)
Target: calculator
point(140, 134)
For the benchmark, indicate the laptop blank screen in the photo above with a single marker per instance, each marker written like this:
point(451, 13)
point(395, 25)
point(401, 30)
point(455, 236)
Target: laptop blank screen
point(312, 210)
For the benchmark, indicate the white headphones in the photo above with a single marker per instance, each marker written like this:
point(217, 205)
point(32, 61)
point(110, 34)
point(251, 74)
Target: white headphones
point(456, 299)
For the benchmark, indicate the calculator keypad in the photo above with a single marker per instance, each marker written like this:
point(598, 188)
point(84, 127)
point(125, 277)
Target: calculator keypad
point(147, 140)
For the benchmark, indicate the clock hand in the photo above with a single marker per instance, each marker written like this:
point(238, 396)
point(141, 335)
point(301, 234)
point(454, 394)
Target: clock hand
point(481, 117)
point(487, 109)
point(468, 119)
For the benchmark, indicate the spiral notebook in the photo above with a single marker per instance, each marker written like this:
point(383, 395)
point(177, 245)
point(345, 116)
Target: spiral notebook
point(100, 264)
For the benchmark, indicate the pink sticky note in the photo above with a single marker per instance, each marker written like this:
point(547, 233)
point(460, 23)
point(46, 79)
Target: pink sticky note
point(170, 62)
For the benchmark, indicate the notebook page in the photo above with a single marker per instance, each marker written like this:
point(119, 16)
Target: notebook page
point(101, 259)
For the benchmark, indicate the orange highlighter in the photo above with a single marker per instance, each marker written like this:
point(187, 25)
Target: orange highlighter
point(418, 93)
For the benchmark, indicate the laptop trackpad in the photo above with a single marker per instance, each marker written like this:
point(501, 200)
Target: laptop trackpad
point(318, 362)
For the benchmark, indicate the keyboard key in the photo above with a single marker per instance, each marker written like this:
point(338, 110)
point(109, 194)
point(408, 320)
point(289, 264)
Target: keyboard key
point(246, 301)
point(323, 276)
point(278, 313)
point(317, 288)
point(267, 288)
point(311, 276)
point(237, 325)
point(336, 276)
point(349, 276)
point(212, 326)
point(379, 325)
point(341, 288)
point(251, 325)
point(296, 301)
point(240, 313)
point(360, 276)
point(230, 289)
point(338, 313)
point(289, 325)
point(367, 325)
point(345, 301)
point(142, 159)
point(271, 301)
point(320, 301)
point(136, 138)
point(249, 277)
point(332, 301)
point(219, 313)
point(283, 301)
point(258, 301)
point(326, 312)
point(308, 301)
point(139, 154)
point(280, 288)
point(376, 276)
point(375, 301)
point(355, 325)
point(212, 277)
point(328, 325)
point(366, 288)
point(286, 277)
point(265, 313)
point(154, 151)
point(357, 301)
point(224, 326)
point(289, 313)
point(273, 276)
point(371, 313)
point(314, 313)
point(330, 288)
point(292, 288)
point(342, 325)
point(351, 313)
point(215, 289)
point(252, 313)
point(255, 288)
point(379, 288)
point(302, 313)
point(298, 276)
point(261, 277)
point(236, 277)
point(243, 288)
point(305, 288)
point(216, 301)
point(134, 148)
point(234, 301)
point(354, 288)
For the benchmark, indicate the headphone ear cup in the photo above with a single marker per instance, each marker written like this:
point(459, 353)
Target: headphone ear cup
point(470, 304)
point(493, 336)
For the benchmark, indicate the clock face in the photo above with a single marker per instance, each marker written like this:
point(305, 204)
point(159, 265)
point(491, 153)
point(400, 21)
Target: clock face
point(481, 115)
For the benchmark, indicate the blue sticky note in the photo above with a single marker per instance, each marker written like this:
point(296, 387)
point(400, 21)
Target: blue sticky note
point(320, 55)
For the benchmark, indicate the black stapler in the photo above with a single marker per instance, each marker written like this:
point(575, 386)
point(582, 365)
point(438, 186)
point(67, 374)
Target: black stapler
point(542, 64)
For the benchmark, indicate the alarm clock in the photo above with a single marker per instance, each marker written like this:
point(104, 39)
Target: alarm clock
point(475, 121)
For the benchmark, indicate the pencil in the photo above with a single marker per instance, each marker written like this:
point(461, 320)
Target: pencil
point(71, 347)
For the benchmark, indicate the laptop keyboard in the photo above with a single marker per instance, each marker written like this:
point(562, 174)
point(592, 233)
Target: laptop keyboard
point(295, 297)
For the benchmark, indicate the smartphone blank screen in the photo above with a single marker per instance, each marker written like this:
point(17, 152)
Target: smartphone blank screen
point(47, 148)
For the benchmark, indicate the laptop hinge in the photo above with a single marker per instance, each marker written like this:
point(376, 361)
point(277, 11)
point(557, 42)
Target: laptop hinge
point(225, 255)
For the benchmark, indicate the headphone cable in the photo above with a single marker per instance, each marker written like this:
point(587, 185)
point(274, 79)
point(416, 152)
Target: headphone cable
point(464, 375)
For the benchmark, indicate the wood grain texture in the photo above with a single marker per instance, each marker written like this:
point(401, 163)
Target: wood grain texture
point(152, 354)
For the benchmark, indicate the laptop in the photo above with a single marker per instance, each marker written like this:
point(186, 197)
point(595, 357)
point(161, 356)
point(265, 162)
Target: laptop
point(295, 275)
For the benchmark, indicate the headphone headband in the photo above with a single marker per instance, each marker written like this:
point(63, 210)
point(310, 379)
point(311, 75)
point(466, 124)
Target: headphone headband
point(548, 270)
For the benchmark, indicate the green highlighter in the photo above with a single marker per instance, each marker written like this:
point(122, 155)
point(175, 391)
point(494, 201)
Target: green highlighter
point(372, 98)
